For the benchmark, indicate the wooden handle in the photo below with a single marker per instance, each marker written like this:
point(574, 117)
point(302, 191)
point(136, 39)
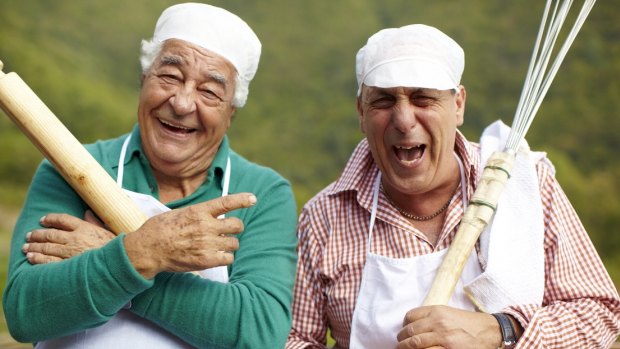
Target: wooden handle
point(67, 154)
point(477, 216)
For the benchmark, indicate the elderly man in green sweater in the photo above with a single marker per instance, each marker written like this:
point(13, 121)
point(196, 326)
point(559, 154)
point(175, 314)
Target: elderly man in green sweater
point(73, 284)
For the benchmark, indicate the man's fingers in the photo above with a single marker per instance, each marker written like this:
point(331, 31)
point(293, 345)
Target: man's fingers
point(91, 218)
point(222, 258)
point(429, 340)
point(228, 243)
point(229, 203)
point(418, 314)
point(48, 249)
point(422, 325)
point(47, 235)
point(60, 221)
point(38, 258)
point(231, 225)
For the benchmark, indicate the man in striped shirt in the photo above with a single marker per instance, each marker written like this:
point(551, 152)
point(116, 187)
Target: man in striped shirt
point(370, 243)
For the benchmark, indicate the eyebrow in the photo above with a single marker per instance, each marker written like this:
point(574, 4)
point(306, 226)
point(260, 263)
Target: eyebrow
point(171, 60)
point(177, 60)
point(219, 78)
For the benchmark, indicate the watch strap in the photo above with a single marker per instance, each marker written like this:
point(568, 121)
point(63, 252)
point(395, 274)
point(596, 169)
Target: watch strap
point(509, 337)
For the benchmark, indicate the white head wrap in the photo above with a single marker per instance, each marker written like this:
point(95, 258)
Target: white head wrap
point(216, 30)
point(412, 56)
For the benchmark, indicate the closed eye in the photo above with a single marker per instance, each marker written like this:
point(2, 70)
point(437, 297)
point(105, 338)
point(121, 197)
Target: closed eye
point(382, 103)
point(169, 78)
point(423, 101)
point(210, 94)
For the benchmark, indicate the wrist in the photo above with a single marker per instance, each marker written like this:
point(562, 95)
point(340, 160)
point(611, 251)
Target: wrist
point(138, 257)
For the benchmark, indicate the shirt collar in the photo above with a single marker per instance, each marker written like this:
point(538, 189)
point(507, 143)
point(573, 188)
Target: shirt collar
point(135, 144)
point(218, 166)
point(470, 155)
point(359, 175)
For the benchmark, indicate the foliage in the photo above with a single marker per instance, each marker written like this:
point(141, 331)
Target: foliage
point(81, 59)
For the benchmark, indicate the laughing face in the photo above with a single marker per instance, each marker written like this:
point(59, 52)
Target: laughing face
point(185, 108)
point(411, 134)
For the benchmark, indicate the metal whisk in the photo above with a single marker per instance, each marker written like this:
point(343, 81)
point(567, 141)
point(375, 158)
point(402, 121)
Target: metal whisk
point(497, 170)
point(538, 78)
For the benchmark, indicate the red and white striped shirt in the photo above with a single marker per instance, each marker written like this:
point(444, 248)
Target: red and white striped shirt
point(580, 309)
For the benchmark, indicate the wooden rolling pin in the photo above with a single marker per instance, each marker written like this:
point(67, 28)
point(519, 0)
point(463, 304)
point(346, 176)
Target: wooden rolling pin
point(67, 154)
point(476, 218)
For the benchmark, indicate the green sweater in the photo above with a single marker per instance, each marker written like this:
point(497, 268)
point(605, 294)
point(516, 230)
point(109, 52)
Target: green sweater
point(251, 311)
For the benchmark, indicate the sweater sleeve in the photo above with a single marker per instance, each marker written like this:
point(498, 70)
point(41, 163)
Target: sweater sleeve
point(50, 300)
point(252, 310)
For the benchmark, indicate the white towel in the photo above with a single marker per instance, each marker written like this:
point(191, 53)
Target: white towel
point(512, 250)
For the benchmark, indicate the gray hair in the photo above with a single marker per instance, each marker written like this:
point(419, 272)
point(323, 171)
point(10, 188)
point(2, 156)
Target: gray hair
point(150, 50)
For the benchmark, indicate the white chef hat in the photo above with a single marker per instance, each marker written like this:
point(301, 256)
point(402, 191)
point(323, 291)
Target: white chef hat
point(216, 30)
point(416, 55)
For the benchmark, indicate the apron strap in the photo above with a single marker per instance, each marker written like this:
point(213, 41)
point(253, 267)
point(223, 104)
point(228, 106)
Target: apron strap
point(121, 162)
point(373, 212)
point(226, 183)
point(463, 182)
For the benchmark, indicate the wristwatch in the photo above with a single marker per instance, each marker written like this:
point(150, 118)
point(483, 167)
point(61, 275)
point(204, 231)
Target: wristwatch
point(509, 337)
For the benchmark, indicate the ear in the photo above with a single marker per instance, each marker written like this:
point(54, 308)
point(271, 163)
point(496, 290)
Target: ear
point(360, 113)
point(232, 115)
point(461, 96)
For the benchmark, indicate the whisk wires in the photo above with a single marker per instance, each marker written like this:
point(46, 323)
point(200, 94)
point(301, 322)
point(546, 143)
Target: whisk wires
point(539, 78)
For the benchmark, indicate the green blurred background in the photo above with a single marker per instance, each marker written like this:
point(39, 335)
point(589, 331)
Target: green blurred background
point(81, 58)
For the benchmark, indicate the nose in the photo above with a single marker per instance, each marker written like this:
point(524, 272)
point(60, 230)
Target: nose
point(403, 116)
point(184, 100)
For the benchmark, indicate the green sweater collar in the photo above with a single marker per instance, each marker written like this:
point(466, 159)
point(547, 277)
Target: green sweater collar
point(215, 171)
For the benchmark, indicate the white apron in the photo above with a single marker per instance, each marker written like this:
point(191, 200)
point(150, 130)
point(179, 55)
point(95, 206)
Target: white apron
point(392, 286)
point(125, 329)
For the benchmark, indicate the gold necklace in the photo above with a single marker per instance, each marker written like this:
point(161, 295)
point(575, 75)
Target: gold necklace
point(412, 216)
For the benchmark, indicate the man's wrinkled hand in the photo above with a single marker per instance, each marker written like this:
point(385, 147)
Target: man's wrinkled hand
point(448, 328)
point(64, 236)
point(189, 238)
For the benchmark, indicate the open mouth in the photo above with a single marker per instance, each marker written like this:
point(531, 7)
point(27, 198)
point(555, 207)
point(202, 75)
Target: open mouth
point(409, 154)
point(176, 128)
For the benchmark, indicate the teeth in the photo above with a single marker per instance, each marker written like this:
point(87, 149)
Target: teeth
point(409, 154)
point(406, 148)
point(175, 126)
